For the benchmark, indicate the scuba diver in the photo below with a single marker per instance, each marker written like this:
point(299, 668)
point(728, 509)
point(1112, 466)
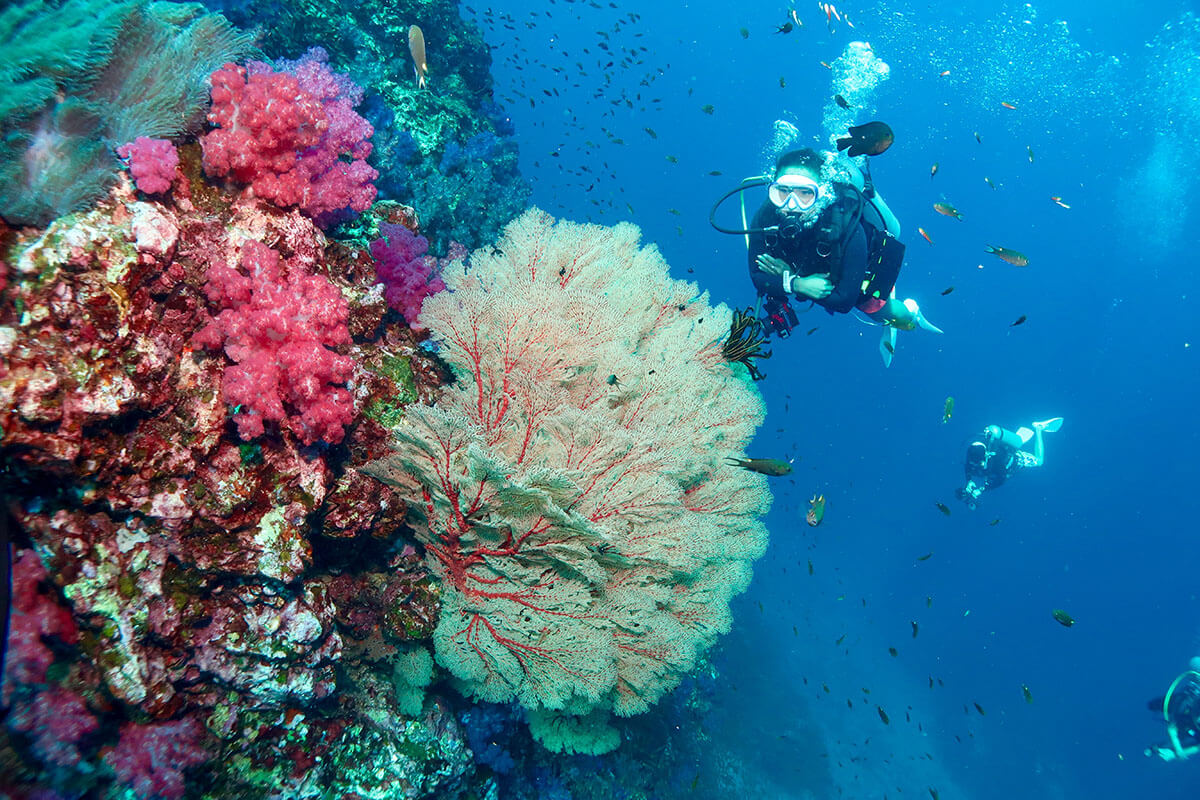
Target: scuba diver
point(998, 453)
point(1181, 710)
point(823, 234)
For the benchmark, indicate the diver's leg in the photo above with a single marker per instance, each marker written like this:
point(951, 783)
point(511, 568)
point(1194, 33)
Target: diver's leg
point(1038, 451)
point(903, 314)
point(1050, 425)
point(895, 313)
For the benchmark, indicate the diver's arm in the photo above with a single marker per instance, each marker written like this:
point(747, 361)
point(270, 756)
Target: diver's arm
point(778, 274)
point(764, 282)
point(1181, 752)
point(811, 287)
point(854, 268)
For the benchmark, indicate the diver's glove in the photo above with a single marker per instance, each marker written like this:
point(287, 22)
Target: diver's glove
point(969, 494)
point(1164, 752)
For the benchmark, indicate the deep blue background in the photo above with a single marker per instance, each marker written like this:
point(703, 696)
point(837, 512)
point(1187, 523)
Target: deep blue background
point(1106, 529)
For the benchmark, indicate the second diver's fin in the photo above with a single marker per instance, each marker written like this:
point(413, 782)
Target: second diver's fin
point(887, 345)
point(1050, 425)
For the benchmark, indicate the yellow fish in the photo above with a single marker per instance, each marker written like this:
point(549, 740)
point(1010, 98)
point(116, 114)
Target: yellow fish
point(1014, 257)
point(416, 46)
point(947, 210)
point(816, 510)
point(948, 410)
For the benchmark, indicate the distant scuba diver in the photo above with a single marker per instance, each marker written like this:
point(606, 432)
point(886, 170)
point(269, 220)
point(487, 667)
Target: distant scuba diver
point(1180, 708)
point(998, 453)
point(824, 234)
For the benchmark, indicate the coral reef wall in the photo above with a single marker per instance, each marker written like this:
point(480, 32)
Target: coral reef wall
point(208, 364)
point(188, 586)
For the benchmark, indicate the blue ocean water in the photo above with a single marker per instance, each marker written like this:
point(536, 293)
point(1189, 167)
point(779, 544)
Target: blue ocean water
point(1106, 118)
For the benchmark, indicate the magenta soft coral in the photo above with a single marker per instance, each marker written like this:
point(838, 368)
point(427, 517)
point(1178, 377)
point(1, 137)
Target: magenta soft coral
point(277, 329)
point(56, 720)
point(150, 758)
point(407, 273)
point(286, 136)
point(36, 620)
point(152, 163)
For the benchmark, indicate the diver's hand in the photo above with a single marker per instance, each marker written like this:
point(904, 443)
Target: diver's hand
point(818, 287)
point(771, 265)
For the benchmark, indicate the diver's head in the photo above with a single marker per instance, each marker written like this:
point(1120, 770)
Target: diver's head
point(796, 188)
point(976, 453)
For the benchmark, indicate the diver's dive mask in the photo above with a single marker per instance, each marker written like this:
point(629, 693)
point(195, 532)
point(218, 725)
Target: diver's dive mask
point(793, 192)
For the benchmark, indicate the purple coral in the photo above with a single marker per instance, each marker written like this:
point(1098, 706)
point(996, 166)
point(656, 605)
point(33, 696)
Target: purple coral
point(407, 273)
point(150, 758)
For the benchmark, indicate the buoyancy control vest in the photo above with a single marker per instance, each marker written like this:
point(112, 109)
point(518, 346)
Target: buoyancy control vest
point(821, 247)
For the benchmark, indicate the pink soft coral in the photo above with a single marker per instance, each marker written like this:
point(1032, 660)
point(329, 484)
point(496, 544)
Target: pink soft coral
point(278, 329)
point(57, 719)
point(36, 620)
point(150, 759)
point(407, 273)
point(152, 163)
point(294, 138)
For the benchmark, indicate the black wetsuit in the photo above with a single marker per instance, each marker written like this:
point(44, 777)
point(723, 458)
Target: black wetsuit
point(1184, 711)
point(991, 471)
point(804, 256)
